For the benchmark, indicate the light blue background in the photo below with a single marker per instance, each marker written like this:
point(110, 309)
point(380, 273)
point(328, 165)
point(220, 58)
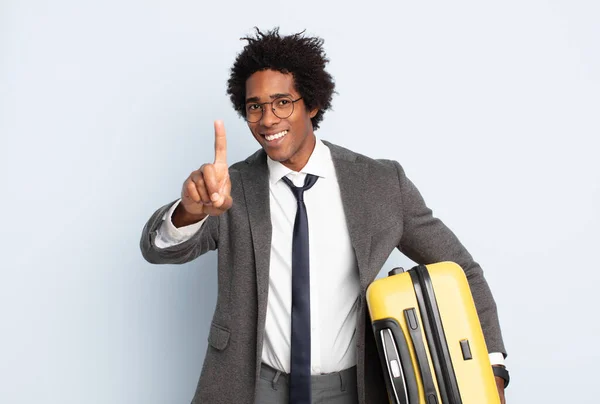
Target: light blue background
point(107, 106)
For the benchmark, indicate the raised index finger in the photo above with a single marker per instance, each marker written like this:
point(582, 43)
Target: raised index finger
point(220, 143)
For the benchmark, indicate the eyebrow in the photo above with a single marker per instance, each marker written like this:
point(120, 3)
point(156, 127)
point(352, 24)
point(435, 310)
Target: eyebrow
point(272, 96)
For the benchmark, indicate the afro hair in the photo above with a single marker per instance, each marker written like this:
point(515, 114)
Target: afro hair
point(301, 56)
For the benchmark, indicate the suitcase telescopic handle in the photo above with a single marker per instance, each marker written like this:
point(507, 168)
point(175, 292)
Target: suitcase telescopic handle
point(394, 367)
point(394, 353)
point(416, 336)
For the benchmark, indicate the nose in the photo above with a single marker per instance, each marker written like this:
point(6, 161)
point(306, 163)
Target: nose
point(268, 117)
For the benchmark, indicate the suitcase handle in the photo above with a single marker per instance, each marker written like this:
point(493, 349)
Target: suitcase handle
point(394, 368)
point(418, 345)
point(399, 374)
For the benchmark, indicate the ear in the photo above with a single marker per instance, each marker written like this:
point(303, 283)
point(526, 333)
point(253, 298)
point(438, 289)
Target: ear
point(313, 113)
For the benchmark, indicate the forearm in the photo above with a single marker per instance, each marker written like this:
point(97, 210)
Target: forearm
point(159, 245)
point(426, 239)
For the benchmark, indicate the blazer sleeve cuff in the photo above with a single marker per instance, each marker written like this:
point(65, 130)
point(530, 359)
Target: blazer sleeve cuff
point(167, 235)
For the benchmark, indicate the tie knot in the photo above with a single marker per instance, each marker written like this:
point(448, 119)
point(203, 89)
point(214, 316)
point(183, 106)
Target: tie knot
point(298, 192)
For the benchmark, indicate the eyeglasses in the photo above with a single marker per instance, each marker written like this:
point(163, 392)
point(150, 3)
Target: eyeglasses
point(282, 107)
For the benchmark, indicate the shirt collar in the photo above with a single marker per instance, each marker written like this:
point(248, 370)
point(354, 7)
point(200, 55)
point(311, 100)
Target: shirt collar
point(319, 164)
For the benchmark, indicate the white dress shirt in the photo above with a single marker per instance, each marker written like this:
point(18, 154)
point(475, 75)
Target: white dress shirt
point(334, 280)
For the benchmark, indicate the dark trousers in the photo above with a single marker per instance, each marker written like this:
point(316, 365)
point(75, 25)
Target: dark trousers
point(332, 388)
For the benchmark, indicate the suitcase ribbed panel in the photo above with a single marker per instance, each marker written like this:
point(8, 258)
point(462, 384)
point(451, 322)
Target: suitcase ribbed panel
point(474, 376)
point(434, 330)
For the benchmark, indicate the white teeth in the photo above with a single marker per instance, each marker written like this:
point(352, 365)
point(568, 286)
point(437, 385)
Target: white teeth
point(276, 136)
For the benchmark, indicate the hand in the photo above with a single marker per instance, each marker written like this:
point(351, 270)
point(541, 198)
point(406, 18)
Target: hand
point(207, 191)
point(500, 386)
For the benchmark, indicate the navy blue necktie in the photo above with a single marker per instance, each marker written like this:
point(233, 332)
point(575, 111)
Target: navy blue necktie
point(300, 391)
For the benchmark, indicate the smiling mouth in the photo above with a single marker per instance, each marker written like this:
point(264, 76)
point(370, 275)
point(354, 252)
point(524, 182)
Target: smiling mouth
point(276, 136)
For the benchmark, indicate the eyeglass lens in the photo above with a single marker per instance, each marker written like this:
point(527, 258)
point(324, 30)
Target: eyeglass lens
point(282, 107)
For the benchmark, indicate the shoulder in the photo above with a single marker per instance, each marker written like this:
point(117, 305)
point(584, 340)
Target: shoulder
point(256, 161)
point(377, 165)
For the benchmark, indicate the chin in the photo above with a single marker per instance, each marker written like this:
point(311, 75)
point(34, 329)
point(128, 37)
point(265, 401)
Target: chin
point(280, 157)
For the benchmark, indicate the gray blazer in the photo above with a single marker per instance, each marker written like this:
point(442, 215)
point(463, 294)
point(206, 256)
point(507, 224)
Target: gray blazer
point(383, 210)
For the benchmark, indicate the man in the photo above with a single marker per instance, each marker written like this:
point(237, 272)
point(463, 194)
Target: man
point(302, 227)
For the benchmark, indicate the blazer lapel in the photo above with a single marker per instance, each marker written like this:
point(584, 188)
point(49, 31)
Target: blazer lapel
point(255, 180)
point(353, 179)
point(354, 183)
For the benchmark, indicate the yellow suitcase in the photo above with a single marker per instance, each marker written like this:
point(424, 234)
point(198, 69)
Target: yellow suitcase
point(429, 337)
